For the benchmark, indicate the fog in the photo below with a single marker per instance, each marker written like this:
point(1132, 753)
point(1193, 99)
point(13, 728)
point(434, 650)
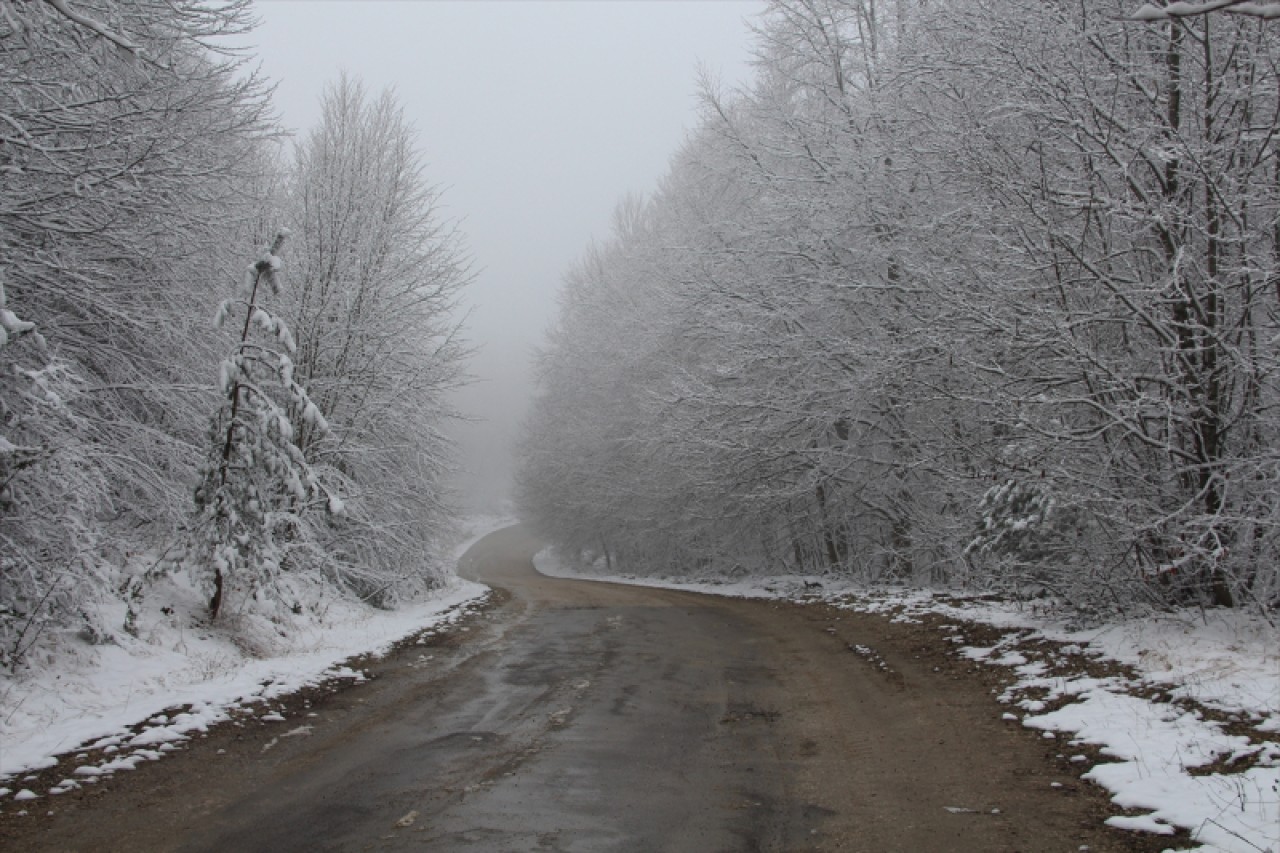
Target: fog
point(535, 118)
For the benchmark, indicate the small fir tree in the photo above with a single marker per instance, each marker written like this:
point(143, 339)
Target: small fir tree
point(255, 483)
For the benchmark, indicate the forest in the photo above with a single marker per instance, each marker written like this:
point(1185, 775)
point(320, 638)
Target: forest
point(226, 352)
point(975, 294)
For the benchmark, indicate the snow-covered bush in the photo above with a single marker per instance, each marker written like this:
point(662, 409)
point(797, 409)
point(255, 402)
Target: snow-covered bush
point(1027, 542)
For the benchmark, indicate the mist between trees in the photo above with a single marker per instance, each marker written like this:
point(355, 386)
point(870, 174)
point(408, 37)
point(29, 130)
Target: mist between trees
point(975, 293)
point(141, 173)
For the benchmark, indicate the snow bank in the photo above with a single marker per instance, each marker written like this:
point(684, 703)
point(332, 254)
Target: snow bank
point(477, 527)
point(96, 696)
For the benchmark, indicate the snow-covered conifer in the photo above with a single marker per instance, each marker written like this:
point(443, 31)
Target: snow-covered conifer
point(256, 486)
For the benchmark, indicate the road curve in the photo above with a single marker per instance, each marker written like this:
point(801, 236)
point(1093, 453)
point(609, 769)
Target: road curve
point(579, 716)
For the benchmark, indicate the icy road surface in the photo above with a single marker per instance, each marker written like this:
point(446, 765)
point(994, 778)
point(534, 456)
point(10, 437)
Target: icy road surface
point(580, 716)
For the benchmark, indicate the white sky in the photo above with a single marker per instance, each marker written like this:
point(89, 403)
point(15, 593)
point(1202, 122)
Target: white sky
point(536, 116)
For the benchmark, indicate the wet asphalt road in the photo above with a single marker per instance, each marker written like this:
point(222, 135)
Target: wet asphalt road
point(596, 718)
point(600, 718)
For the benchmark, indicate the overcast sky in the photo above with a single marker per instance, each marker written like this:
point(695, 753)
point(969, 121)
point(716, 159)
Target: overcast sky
point(537, 117)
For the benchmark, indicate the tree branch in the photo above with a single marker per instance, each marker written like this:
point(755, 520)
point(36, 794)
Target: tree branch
point(1149, 12)
point(63, 8)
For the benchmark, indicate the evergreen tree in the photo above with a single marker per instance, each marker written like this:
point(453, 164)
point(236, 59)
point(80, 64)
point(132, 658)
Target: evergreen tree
point(255, 483)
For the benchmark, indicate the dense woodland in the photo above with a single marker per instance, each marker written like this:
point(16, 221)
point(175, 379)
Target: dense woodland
point(290, 445)
point(967, 293)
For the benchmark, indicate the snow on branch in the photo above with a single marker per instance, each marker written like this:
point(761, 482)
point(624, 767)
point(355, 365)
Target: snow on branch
point(10, 323)
point(1192, 8)
point(64, 9)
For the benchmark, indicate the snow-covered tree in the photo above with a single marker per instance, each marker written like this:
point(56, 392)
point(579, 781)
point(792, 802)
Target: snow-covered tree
point(130, 143)
point(373, 298)
point(50, 490)
point(1131, 189)
point(256, 487)
point(935, 249)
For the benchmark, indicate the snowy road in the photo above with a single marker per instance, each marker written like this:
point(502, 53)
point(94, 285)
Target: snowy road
point(577, 716)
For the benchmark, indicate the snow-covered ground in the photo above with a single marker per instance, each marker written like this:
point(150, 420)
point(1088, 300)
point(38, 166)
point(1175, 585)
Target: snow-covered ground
point(97, 696)
point(1189, 719)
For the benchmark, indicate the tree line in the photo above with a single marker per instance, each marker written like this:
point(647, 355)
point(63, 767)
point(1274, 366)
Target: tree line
point(977, 293)
point(295, 443)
